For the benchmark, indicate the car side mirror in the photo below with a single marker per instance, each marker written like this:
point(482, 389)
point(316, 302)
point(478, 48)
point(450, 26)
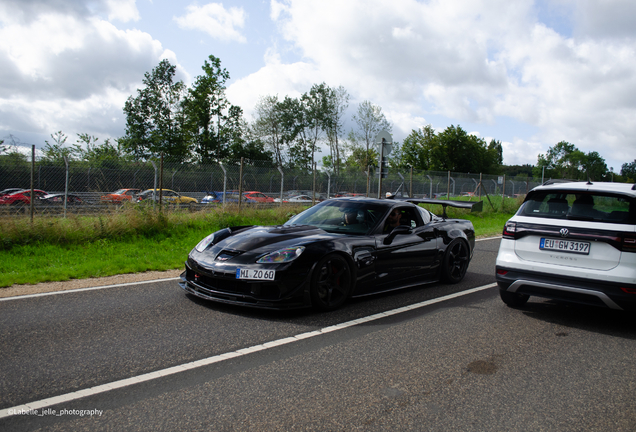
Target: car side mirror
point(398, 230)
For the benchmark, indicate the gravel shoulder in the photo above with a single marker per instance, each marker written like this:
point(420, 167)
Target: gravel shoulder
point(19, 290)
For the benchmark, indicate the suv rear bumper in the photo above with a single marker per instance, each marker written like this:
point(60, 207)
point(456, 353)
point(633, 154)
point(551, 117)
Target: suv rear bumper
point(582, 291)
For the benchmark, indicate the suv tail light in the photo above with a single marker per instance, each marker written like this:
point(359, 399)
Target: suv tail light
point(629, 244)
point(510, 229)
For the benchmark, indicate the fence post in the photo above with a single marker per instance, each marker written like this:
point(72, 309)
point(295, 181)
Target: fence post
point(154, 187)
point(313, 189)
point(240, 198)
point(224, 182)
point(282, 183)
point(160, 181)
point(32, 203)
point(66, 184)
point(503, 192)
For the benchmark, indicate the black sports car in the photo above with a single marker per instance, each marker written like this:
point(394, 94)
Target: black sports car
point(340, 248)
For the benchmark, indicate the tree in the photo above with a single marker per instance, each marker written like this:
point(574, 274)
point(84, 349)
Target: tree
point(267, 127)
point(212, 122)
point(334, 124)
point(564, 160)
point(155, 121)
point(417, 149)
point(55, 152)
point(629, 170)
point(104, 155)
point(456, 150)
point(595, 166)
point(370, 121)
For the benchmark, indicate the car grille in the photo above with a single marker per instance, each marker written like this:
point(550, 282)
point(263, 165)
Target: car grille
point(227, 283)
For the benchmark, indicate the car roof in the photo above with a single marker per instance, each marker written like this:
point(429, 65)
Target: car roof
point(384, 202)
point(623, 188)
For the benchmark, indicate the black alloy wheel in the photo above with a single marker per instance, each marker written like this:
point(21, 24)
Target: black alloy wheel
point(456, 260)
point(331, 283)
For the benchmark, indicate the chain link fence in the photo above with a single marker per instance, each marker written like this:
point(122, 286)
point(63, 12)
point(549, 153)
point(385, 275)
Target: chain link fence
point(196, 181)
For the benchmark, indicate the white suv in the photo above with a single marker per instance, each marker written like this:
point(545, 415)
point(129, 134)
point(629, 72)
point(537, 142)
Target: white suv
point(571, 241)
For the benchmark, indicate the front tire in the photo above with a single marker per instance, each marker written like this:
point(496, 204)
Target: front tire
point(455, 263)
point(331, 283)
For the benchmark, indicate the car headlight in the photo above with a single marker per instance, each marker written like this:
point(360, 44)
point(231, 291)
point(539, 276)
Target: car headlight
point(282, 255)
point(203, 244)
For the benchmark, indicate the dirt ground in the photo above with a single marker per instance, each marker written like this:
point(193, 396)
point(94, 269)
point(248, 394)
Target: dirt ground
point(18, 290)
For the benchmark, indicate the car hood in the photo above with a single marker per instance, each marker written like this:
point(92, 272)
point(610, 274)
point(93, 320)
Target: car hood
point(265, 239)
point(248, 244)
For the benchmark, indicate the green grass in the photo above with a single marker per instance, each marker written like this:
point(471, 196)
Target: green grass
point(138, 239)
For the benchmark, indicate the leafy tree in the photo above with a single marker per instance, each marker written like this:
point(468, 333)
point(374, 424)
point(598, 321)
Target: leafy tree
point(417, 149)
point(104, 155)
point(155, 121)
point(359, 158)
point(494, 156)
point(55, 151)
point(629, 170)
point(267, 127)
point(334, 124)
point(594, 166)
point(521, 171)
point(213, 123)
point(370, 121)
point(10, 157)
point(296, 132)
point(564, 160)
point(456, 150)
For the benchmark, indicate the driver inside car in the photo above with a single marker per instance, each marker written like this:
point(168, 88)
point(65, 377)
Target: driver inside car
point(392, 221)
point(351, 217)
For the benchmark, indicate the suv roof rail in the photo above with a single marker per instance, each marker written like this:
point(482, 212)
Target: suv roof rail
point(555, 181)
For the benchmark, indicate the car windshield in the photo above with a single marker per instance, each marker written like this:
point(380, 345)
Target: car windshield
point(588, 206)
point(346, 217)
point(119, 192)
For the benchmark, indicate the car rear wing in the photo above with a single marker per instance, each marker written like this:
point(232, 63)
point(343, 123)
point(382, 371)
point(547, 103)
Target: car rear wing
point(473, 206)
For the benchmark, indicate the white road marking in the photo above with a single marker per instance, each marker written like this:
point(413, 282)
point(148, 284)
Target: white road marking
point(43, 403)
point(84, 289)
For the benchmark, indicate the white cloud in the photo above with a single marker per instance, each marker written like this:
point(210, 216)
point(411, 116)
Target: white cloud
point(122, 10)
point(70, 72)
point(215, 20)
point(476, 62)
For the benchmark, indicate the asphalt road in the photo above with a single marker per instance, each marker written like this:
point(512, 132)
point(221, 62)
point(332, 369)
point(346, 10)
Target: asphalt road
point(468, 363)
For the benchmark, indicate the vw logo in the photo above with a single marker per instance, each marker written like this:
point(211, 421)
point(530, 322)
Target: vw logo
point(564, 232)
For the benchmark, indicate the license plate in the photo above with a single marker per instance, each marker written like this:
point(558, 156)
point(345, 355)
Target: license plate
point(579, 247)
point(255, 274)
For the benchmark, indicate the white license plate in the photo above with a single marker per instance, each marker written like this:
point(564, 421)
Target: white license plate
point(579, 247)
point(255, 274)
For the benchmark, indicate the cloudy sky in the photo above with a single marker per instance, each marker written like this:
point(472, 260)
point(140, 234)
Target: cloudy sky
point(527, 73)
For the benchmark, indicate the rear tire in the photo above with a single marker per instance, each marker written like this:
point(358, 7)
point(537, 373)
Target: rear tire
point(331, 283)
point(512, 299)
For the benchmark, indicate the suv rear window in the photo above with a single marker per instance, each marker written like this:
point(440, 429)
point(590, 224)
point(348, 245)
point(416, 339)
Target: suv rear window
point(576, 205)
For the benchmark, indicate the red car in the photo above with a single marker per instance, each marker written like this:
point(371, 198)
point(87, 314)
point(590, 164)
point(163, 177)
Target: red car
point(258, 197)
point(21, 197)
point(120, 196)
